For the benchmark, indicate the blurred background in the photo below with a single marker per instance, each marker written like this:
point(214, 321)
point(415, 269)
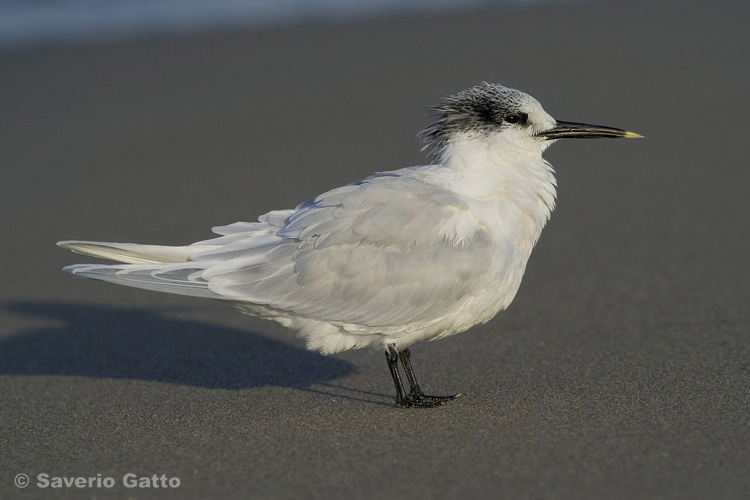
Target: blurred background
point(620, 371)
point(31, 22)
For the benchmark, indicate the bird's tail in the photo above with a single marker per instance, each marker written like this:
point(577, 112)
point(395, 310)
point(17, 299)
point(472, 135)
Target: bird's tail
point(131, 253)
point(151, 267)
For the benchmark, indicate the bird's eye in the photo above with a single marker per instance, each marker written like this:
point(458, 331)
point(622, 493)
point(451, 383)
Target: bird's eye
point(519, 118)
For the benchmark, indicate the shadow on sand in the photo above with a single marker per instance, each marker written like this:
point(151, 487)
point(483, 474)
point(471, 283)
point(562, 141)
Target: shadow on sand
point(138, 344)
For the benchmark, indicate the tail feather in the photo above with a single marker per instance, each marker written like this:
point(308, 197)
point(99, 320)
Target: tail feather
point(151, 267)
point(132, 253)
point(181, 278)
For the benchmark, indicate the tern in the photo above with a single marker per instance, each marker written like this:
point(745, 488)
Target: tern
point(402, 256)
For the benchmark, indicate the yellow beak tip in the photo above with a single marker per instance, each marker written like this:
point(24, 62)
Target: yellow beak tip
point(632, 135)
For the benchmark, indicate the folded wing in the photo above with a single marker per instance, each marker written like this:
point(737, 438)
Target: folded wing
point(378, 253)
point(373, 254)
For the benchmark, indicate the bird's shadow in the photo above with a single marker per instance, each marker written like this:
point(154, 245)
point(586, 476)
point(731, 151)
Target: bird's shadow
point(139, 344)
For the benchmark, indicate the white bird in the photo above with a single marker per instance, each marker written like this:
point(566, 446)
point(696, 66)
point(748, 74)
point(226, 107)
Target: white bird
point(414, 254)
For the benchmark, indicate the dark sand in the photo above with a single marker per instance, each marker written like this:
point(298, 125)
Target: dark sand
point(621, 370)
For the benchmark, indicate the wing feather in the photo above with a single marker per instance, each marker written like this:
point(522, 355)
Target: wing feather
point(375, 255)
point(370, 253)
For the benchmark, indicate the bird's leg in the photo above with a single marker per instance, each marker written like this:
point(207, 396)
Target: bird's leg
point(416, 398)
point(415, 392)
point(391, 354)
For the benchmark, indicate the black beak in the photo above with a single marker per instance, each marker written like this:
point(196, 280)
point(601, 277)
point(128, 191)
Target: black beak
point(565, 130)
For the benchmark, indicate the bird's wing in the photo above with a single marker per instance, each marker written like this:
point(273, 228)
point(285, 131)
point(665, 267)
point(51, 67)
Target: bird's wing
point(386, 251)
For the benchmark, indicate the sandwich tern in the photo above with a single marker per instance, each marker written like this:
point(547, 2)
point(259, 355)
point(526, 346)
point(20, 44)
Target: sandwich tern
point(402, 256)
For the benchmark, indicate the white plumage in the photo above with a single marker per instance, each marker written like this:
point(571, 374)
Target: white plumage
point(403, 256)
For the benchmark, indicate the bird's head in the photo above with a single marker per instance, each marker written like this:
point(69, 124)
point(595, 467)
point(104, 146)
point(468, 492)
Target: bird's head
point(497, 114)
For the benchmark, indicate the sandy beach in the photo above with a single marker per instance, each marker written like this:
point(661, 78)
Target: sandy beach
point(620, 371)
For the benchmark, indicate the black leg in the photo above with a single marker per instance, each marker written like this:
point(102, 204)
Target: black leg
point(415, 391)
point(392, 356)
point(416, 398)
